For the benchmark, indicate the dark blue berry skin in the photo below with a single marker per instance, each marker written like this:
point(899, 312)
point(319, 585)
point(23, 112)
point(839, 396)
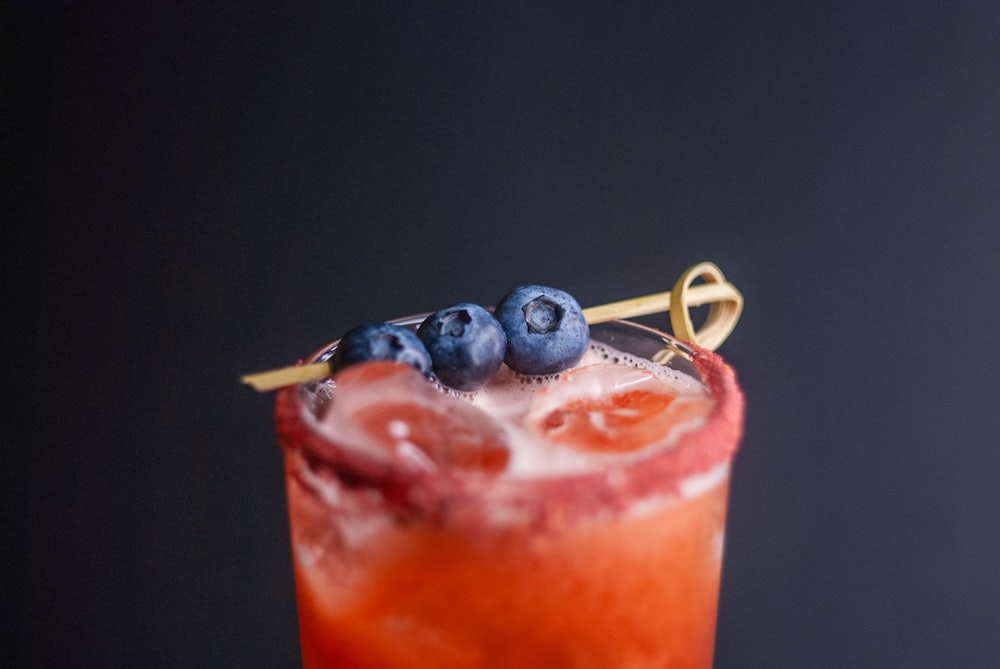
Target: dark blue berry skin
point(380, 341)
point(545, 327)
point(466, 345)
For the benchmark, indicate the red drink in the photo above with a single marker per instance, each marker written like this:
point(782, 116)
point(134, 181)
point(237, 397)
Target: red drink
point(585, 532)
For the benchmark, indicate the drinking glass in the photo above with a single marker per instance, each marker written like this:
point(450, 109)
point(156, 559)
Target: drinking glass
point(611, 567)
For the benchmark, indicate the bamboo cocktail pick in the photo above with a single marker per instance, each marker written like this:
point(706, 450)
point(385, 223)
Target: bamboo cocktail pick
point(725, 306)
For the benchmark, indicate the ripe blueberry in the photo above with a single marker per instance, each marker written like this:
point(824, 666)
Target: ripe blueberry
point(545, 327)
point(380, 341)
point(466, 345)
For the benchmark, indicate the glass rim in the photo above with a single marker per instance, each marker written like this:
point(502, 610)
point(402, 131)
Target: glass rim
point(476, 497)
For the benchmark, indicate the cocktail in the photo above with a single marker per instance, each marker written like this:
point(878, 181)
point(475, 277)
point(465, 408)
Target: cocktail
point(567, 519)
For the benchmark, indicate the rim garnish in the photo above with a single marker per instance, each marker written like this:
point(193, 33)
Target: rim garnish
point(725, 304)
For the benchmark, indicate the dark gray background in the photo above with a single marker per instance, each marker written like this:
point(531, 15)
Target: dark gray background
point(214, 190)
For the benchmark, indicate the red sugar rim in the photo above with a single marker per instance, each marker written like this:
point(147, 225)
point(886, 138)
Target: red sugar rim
point(476, 499)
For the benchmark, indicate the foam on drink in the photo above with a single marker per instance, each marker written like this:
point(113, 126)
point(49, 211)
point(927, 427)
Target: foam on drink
point(522, 414)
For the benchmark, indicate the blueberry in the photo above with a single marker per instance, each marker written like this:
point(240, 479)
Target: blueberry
point(545, 327)
point(381, 341)
point(466, 345)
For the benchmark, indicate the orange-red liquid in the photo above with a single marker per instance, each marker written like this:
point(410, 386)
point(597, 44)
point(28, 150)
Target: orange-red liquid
point(631, 590)
point(467, 565)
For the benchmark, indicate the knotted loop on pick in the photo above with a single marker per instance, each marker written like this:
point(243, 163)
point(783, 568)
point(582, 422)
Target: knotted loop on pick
point(725, 306)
